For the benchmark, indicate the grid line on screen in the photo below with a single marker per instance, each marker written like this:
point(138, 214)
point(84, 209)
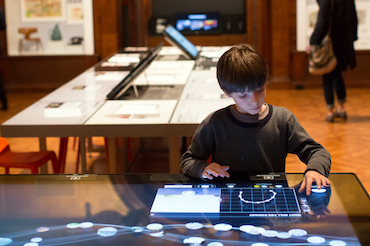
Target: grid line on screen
point(259, 200)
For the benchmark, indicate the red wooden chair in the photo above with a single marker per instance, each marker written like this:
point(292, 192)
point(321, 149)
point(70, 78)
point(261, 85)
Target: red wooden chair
point(30, 160)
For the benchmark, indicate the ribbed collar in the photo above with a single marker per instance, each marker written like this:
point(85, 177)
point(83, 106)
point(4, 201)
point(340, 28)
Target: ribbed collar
point(247, 118)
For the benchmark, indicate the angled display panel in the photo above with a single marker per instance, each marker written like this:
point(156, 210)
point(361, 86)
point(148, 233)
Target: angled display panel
point(129, 79)
point(175, 38)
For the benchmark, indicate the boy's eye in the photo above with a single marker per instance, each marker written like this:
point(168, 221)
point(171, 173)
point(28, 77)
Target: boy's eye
point(242, 96)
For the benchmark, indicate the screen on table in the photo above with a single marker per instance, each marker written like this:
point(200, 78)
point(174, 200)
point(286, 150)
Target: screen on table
point(175, 38)
point(234, 201)
point(133, 210)
point(121, 87)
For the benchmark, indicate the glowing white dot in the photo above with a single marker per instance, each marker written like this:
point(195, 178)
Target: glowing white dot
point(5, 241)
point(316, 239)
point(188, 193)
point(297, 232)
point(107, 231)
point(322, 190)
point(259, 244)
point(157, 234)
point(269, 233)
point(42, 229)
point(222, 227)
point(137, 229)
point(337, 243)
point(154, 227)
point(283, 235)
point(194, 225)
point(260, 229)
point(36, 239)
point(86, 225)
point(31, 244)
point(278, 186)
point(215, 244)
point(73, 225)
point(193, 240)
point(250, 229)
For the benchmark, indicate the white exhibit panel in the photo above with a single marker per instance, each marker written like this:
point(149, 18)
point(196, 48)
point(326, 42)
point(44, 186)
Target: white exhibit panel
point(166, 73)
point(194, 111)
point(122, 60)
point(89, 86)
point(307, 17)
point(54, 113)
point(203, 77)
point(202, 85)
point(170, 51)
point(214, 52)
point(127, 112)
point(60, 27)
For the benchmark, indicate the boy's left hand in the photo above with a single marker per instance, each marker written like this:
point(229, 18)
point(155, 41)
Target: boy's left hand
point(310, 177)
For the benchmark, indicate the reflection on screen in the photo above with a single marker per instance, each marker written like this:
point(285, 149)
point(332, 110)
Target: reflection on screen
point(181, 41)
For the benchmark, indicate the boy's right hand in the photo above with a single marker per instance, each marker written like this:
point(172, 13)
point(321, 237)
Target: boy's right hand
point(215, 170)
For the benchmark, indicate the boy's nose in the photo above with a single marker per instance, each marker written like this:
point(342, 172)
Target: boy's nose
point(254, 98)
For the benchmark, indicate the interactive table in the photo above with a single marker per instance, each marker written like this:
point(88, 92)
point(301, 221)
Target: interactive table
point(172, 209)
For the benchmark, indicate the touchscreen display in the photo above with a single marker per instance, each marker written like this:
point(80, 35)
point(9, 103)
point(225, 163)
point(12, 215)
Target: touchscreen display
point(79, 210)
point(273, 201)
point(177, 39)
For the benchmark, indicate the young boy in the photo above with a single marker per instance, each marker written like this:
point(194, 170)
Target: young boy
point(251, 136)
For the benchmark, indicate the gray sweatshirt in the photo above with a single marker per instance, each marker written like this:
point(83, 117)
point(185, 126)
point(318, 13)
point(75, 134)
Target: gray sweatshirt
point(252, 148)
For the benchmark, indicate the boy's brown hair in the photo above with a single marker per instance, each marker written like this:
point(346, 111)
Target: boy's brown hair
point(241, 68)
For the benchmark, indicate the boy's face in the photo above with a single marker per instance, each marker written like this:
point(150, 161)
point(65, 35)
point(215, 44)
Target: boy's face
point(249, 102)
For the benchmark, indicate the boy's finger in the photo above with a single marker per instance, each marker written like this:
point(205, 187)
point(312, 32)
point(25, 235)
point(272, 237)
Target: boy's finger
point(224, 173)
point(303, 185)
point(308, 186)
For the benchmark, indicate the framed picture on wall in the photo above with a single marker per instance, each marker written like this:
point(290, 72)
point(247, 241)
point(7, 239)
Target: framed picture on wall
point(75, 13)
point(36, 10)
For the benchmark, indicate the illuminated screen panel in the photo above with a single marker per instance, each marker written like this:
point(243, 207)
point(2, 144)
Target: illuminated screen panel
point(177, 39)
point(226, 202)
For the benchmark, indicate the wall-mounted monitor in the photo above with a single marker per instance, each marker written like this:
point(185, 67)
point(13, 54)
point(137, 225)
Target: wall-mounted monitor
point(175, 38)
point(119, 89)
point(198, 23)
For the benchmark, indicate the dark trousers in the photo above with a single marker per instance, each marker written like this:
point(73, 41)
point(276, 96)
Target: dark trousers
point(333, 83)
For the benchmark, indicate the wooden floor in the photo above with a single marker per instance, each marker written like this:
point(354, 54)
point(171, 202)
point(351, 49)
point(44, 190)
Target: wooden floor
point(347, 141)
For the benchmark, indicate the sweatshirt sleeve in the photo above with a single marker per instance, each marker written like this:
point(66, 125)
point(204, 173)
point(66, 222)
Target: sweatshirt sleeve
point(323, 21)
point(194, 160)
point(313, 154)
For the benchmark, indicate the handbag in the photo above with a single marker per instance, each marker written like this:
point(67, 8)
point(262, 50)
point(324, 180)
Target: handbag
point(321, 59)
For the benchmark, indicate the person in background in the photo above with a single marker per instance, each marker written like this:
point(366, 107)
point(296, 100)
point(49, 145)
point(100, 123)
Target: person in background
point(251, 136)
point(342, 19)
point(3, 98)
